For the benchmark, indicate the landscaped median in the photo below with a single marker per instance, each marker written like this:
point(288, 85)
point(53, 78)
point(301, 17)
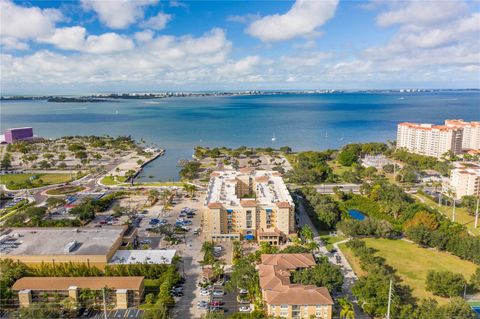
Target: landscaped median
point(65, 190)
point(120, 181)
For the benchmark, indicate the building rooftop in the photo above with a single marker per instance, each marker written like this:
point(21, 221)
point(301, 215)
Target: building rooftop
point(59, 240)
point(274, 273)
point(269, 189)
point(63, 283)
point(157, 256)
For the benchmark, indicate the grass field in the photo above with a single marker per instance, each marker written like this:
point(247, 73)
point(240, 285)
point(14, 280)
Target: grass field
point(18, 181)
point(461, 215)
point(412, 263)
point(337, 168)
point(330, 240)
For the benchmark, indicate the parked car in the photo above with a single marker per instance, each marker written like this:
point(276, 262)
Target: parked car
point(243, 291)
point(245, 309)
point(216, 303)
point(204, 292)
point(218, 293)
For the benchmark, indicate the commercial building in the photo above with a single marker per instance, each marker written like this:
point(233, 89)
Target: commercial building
point(155, 256)
point(286, 300)
point(121, 292)
point(33, 246)
point(248, 203)
point(13, 135)
point(465, 179)
point(429, 139)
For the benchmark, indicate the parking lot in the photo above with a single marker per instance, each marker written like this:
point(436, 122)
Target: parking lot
point(119, 314)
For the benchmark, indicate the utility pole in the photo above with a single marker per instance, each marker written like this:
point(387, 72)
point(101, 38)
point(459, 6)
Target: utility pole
point(389, 299)
point(104, 303)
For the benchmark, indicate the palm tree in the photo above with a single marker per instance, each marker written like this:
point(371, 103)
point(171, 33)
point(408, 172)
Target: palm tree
point(190, 188)
point(166, 197)
point(307, 233)
point(347, 311)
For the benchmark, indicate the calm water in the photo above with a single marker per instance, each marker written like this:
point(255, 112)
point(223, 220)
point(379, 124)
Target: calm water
point(303, 122)
point(356, 214)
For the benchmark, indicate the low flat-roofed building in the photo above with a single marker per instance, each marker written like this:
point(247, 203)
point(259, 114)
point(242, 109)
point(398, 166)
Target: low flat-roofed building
point(286, 300)
point(125, 291)
point(156, 256)
point(33, 246)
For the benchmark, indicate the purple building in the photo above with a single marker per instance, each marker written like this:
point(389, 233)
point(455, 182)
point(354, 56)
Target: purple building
point(13, 135)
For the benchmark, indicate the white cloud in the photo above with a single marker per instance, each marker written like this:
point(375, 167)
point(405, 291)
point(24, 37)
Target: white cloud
point(26, 23)
point(107, 43)
point(302, 19)
point(244, 19)
point(157, 22)
point(421, 13)
point(118, 14)
point(9, 43)
point(164, 59)
point(144, 36)
point(74, 38)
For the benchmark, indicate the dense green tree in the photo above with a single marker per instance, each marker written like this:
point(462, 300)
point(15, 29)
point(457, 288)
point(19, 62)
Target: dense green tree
point(6, 161)
point(470, 203)
point(445, 283)
point(323, 274)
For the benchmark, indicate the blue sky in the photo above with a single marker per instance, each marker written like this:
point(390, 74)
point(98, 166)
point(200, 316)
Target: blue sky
point(153, 45)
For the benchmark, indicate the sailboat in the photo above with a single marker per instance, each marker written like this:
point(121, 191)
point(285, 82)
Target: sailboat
point(273, 138)
point(116, 112)
point(342, 138)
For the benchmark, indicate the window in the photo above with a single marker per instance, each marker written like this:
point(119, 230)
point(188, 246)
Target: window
point(296, 311)
point(283, 310)
point(319, 311)
point(305, 311)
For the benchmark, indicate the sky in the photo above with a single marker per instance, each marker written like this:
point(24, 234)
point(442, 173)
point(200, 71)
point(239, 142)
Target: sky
point(78, 47)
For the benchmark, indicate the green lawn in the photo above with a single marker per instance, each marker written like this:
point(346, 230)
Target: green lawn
point(109, 180)
point(337, 168)
point(330, 240)
point(412, 263)
point(461, 214)
point(19, 181)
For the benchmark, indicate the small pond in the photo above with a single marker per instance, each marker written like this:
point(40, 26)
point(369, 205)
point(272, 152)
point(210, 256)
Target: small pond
point(358, 215)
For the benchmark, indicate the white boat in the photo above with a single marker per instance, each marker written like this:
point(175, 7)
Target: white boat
point(273, 138)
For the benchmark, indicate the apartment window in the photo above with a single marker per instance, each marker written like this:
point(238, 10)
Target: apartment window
point(305, 311)
point(319, 311)
point(296, 311)
point(272, 309)
point(249, 219)
point(283, 310)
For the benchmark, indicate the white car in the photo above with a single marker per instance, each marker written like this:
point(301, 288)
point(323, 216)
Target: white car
point(204, 292)
point(202, 304)
point(218, 293)
point(245, 309)
point(243, 291)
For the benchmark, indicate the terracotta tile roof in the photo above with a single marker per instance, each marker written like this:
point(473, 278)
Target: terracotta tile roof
point(283, 204)
point(215, 205)
point(274, 273)
point(248, 203)
point(215, 174)
point(246, 170)
point(261, 179)
point(93, 283)
point(270, 232)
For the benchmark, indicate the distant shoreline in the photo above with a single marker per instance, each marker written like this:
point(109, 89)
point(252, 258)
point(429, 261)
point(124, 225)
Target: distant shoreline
point(100, 98)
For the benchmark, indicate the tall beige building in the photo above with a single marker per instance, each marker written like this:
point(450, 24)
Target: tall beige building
point(429, 139)
point(253, 204)
point(471, 133)
point(465, 179)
